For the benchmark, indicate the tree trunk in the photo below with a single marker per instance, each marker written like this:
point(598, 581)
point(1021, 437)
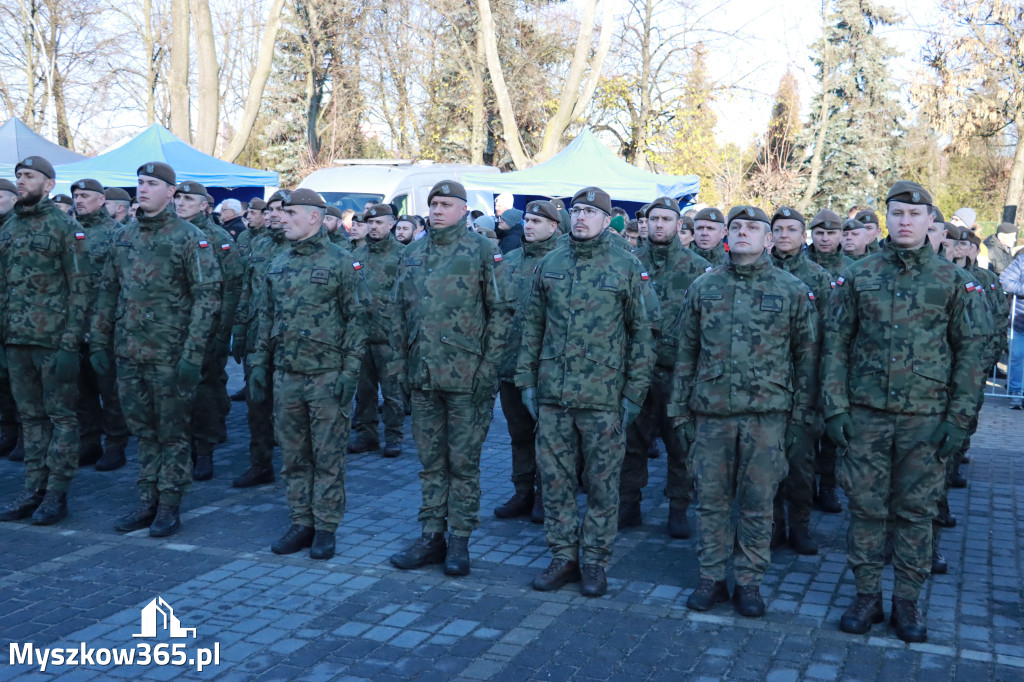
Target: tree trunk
point(508, 115)
point(638, 135)
point(64, 138)
point(149, 44)
point(314, 95)
point(819, 151)
point(208, 115)
point(477, 135)
point(28, 14)
point(177, 79)
point(1015, 186)
point(258, 82)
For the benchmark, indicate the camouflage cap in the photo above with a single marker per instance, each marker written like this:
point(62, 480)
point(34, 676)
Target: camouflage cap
point(447, 188)
point(867, 217)
point(544, 209)
point(667, 203)
point(116, 194)
point(710, 214)
point(158, 170)
point(852, 224)
point(747, 213)
point(38, 164)
point(937, 215)
point(379, 211)
point(594, 196)
point(687, 223)
point(303, 197)
point(908, 192)
point(8, 186)
point(1006, 228)
point(334, 212)
point(190, 187)
point(63, 199)
point(788, 213)
point(826, 220)
point(87, 185)
point(257, 204)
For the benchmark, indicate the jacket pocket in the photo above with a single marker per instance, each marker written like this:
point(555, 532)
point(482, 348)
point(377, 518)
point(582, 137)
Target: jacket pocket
point(709, 372)
point(603, 356)
point(461, 342)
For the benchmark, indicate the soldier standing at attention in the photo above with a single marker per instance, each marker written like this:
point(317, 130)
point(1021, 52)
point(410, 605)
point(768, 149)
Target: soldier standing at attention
point(357, 232)
point(826, 248)
point(332, 223)
point(871, 229)
point(46, 280)
point(99, 407)
point(450, 317)
point(210, 405)
point(671, 268)
point(64, 203)
point(381, 255)
point(797, 489)
point(855, 236)
point(901, 371)
point(744, 380)
point(708, 233)
point(584, 367)
point(540, 225)
point(157, 307)
point(313, 325)
point(117, 204)
point(256, 225)
point(641, 224)
point(10, 425)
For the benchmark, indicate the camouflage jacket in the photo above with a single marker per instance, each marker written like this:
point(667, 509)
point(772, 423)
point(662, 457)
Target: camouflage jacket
point(814, 277)
point(262, 251)
point(748, 345)
point(338, 237)
point(988, 284)
point(715, 256)
point(100, 230)
point(586, 330)
point(855, 257)
point(903, 335)
point(672, 269)
point(449, 309)
point(834, 262)
point(314, 318)
point(160, 292)
point(231, 271)
point(519, 265)
point(46, 278)
point(245, 240)
point(381, 259)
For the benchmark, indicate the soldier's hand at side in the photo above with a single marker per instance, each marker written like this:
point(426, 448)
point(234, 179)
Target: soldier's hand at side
point(100, 361)
point(238, 343)
point(796, 433)
point(839, 427)
point(485, 383)
point(630, 411)
point(258, 384)
point(403, 383)
point(66, 363)
point(530, 401)
point(949, 437)
point(345, 388)
point(187, 376)
point(686, 431)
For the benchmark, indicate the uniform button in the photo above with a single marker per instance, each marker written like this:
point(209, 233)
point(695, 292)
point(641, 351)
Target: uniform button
point(895, 326)
point(892, 392)
point(894, 360)
point(898, 293)
point(305, 332)
point(444, 338)
point(425, 298)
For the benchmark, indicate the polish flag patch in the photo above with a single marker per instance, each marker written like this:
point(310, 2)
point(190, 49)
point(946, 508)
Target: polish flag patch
point(497, 258)
point(833, 285)
point(644, 276)
point(225, 247)
point(841, 281)
point(357, 265)
point(970, 286)
point(79, 235)
point(810, 295)
point(203, 243)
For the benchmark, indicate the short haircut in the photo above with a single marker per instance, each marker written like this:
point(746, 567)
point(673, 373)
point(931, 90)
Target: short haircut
point(231, 204)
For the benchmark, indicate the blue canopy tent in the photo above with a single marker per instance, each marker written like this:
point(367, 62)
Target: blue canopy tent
point(583, 163)
point(18, 141)
point(116, 168)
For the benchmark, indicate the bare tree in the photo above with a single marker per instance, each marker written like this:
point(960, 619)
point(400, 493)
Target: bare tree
point(177, 77)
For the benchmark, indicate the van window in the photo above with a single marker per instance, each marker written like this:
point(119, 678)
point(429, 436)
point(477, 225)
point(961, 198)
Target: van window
point(401, 202)
point(354, 200)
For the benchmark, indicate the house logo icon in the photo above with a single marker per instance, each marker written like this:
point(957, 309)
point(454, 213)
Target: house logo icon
point(159, 612)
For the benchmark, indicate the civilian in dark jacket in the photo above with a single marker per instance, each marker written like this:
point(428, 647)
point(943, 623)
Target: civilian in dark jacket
point(509, 230)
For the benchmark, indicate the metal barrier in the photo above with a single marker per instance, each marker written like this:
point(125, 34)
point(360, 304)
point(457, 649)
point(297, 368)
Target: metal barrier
point(1010, 367)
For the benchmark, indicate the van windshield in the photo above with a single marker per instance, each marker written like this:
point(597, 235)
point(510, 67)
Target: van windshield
point(357, 201)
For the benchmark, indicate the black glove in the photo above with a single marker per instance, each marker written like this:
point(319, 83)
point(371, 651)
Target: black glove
point(839, 427)
point(187, 376)
point(67, 364)
point(796, 433)
point(630, 411)
point(345, 388)
point(258, 384)
point(100, 361)
point(949, 437)
point(485, 383)
point(686, 431)
point(238, 343)
point(530, 401)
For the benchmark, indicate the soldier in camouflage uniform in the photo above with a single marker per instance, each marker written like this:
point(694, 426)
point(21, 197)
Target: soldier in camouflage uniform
point(260, 413)
point(901, 373)
point(708, 235)
point(584, 367)
point(46, 280)
point(450, 317)
point(797, 490)
point(118, 202)
point(671, 268)
point(10, 425)
point(210, 405)
point(332, 222)
point(257, 226)
point(381, 255)
point(641, 224)
point(313, 324)
point(357, 231)
point(855, 239)
point(540, 227)
point(871, 230)
point(157, 308)
point(743, 395)
point(99, 407)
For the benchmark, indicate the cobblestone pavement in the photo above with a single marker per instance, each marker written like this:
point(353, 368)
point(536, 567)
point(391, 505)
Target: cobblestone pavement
point(355, 617)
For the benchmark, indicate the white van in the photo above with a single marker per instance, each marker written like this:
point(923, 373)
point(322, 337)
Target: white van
point(353, 183)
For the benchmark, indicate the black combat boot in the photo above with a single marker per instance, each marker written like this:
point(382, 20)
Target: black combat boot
point(22, 506)
point(140, 517)
point(678, 527)
point(778, 528)
point(652, 450)
point(708, 593)
point(747, 601)
point(52, 509)
point(297, 538)
point(89, 452)
point(428, 549)
point(456, 562)
point(945, 519)
point(239, 395)
point(908, 621)
point(359, 445)
point(253, 476)
point(323, 545)
point(957, 479)
point(827, 499)
point(939, 565)
point(113, 456)
point(559, 573)
point(166, 521)
point(865, 611)
point(630, 515)
point(203, 469)
point(9, 440)
point(800, 540)
point(392, 450)
point(518, 505)
point(594, 582)
point(537, 513)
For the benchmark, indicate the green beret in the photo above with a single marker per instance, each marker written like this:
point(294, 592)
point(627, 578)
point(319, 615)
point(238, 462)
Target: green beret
point(544, 209)
point(852, 224)
point(747, 213)
point(594, 196)
point(158, 170)
point(116, 194)
point(952, 231)
point(971, 237)
point(358, 217)
point(788, 213)
point(710, 214)
point(868, 217)
point(559, 204)
point(1006, 228)
point(618, 223)
point(276, 196)
point(908, 192)
point(303, 197)
point(937, 215)
point(378, 211)
point(257, 204)
point(62, 199)
point(8, 186)
point(87, 185)
point(667, 203)
point(38, 164)
point(447, 188)
point(687, 223)
point(642, 212)
point(826, 220)
point(334, 211)
point(190, 187)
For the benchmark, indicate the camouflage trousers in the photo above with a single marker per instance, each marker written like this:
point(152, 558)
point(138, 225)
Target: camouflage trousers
point(953, 463)
point(449, 430)
point(825, 462)
point(797, 489)
point(563, 436)
point(891, 470)
point(739, 459)
point(211, 403)
point(99, 407)
point(371, 375)
point(522, 432)
point(48, 422)
point(654, 421)
point(260, 417)
point(312, 426)
point(159, 414)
